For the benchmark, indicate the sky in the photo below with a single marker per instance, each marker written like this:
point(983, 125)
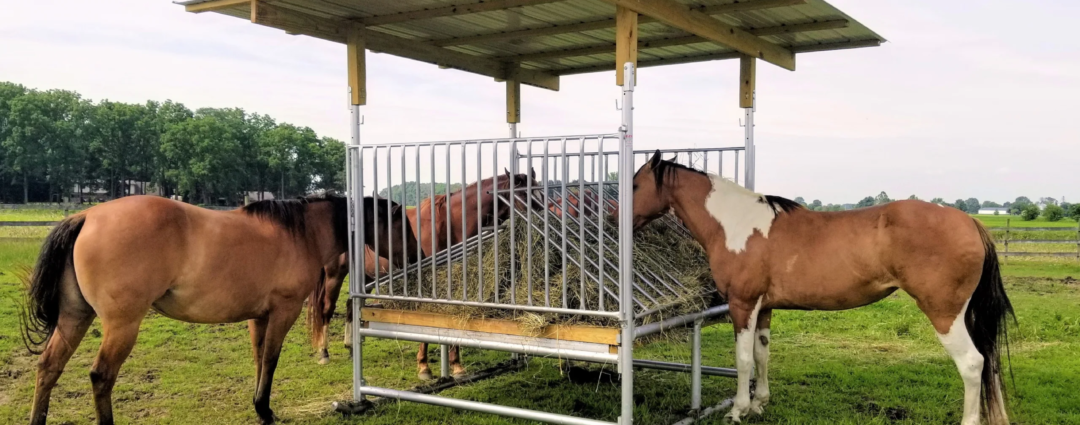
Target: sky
point(966, 99)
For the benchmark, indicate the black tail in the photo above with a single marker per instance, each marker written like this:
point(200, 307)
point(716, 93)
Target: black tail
point(42, 309)
point(986, 315)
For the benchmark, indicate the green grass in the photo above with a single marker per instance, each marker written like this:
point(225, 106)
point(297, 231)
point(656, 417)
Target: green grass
point(1015, 221)
point(31, 215)
point(880, 364)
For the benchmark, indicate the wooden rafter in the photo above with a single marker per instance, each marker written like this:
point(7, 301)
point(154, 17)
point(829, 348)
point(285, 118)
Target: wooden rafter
point(747, 81)
point(453, 10)
point(626, 41)
point(674, 41)
point(211, 6)
point(337, 31)
point(680, 16)
point(722, 9)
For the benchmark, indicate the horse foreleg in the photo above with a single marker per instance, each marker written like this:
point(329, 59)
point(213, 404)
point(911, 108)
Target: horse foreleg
point(456, 369)
point(277, 327)
point(423, 370)
point(70, 329)
point(761, 361)
point(118, 339)
point(744, 317)
point(348, 324)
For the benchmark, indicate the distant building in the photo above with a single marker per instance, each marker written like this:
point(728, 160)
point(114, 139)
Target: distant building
point(994, 210)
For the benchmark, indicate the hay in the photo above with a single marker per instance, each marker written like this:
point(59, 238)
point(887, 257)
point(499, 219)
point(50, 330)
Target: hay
point(671, 273)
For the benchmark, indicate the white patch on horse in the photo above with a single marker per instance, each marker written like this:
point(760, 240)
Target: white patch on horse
point(969, 361)
point(761, 362)
point(739, 211)
point(744, 364)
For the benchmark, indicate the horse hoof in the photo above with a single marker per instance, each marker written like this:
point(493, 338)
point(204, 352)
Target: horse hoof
point(460, 374)
point(425, 375)
point(324, 360)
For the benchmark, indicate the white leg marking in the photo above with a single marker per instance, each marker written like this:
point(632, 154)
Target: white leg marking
point(744, 364)
point(739, 211)
point(761, 360)
point(348, 334)
point(970, 363)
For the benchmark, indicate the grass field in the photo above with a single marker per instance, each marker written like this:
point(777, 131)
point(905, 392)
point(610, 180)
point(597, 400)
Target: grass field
point(880, 364)
point(1015, 221)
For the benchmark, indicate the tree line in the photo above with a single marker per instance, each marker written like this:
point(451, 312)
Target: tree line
point(1022, 206)
point(57, 146)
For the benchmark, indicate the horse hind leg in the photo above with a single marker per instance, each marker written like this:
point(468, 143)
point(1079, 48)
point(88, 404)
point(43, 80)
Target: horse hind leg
point(457, 370)
point(70, 330)
point(119, 336)
point(953, 333)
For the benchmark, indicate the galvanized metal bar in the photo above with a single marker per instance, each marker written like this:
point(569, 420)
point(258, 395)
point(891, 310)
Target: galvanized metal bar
point(685, 368)
point(419, 229)
point(431, 215)
point(375, 211)
point(464, 226)
point(495, 210)
point(565, 182)
point(514, 158)
point(599, 219)
point(680, 321)
point(547, 235)
point(449, 225)
point(626, 246)
point(389, 221)
point(495, 409)
point(719, 408)
point(479, 224)
point(444, 360)
point(581, 229)
point(354, 159)
point(404, 229)
point(748, 153)
point(695, 366)
point(529, 230)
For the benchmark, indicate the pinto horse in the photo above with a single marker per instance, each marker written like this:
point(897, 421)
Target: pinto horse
point(462, 206)
point(770, 253)
point(120, 259)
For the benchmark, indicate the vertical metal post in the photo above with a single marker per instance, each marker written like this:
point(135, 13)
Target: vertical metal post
point(356, 257)
point(695, 367)
point(626, 245)
point(513, 133)
point(748, 154)
point(444, 360)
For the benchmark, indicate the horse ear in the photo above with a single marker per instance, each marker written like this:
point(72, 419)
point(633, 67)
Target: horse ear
point(532, 173)
point(506, 171)
point(395, 209)
point(655, 161)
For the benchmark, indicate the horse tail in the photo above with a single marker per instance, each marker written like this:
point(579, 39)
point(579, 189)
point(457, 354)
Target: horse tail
point(987, 313)
point(318, 316)
point(44, 283)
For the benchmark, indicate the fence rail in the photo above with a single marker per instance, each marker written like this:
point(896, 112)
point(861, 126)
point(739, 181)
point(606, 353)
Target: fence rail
point(1008, 239)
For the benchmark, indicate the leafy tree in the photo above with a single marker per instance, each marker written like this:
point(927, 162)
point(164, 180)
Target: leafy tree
point(865, 202)
point(882, 198)
point(960, 204)
point(1018, 206)
point(991, 204)
point(1022, 200)
point(1053, 212)
point(1046, 200)
point(913, 198)
point(1074, 212)
point(971, 205)
point(1030, 212)
point(816, 205)
point(938, 201)
point(800, 200)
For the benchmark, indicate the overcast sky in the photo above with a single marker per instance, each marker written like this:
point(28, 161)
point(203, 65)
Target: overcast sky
point(968, 98)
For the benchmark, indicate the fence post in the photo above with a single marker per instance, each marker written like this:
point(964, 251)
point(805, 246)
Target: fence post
point(1078, 239)
point(1008, 236)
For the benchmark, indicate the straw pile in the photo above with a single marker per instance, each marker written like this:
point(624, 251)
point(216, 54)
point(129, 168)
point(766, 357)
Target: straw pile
point(671, 273)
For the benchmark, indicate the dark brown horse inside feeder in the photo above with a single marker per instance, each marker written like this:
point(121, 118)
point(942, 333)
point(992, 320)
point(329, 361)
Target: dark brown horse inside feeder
point(120, 259)
point(574, 203)
point(464, 221)
point(769, 253)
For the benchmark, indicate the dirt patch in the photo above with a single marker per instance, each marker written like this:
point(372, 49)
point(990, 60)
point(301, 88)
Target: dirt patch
point(893, 414)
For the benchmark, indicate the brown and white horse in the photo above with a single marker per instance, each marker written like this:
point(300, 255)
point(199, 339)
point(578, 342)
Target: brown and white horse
point(120, 259)
point(448, 231)
point(770, 253)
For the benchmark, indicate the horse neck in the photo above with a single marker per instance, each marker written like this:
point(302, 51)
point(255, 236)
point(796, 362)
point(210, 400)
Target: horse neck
point(719, 212)
point(320, 233)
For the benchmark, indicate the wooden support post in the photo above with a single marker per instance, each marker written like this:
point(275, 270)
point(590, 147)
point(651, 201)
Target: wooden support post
point(357, 65)
point(513, 95)
point(626, 41)
point(747, 76)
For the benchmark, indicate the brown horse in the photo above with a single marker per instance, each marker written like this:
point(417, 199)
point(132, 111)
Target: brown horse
point(462, 207)
point(769, 253)
point(122, 258)
point(573, 201)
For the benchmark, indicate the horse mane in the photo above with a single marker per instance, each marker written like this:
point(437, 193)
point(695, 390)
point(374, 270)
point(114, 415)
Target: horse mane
point(289, 213)
point(667, 169)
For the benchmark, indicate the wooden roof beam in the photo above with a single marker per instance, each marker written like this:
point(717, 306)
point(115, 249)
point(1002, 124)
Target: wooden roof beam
point(210, 6)
point(338, 31)
point(675, 41)
point(722, 9)
point(453, 10)
point(677, 15)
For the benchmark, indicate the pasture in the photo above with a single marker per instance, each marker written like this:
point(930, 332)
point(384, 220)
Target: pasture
point(880, 364)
